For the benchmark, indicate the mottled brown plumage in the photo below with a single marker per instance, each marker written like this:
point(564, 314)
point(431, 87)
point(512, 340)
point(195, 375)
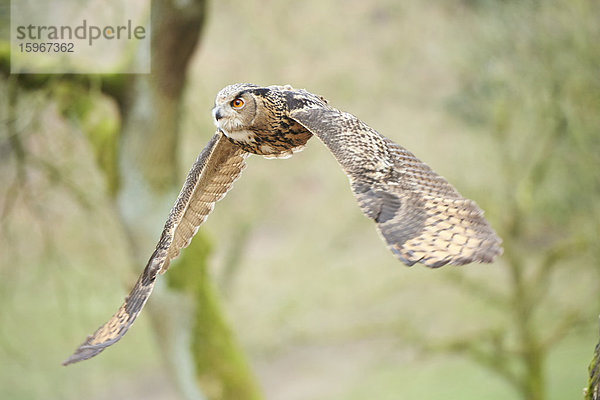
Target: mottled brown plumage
point(420, 216)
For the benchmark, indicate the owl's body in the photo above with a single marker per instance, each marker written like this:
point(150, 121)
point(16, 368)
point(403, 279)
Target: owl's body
point(419, 215)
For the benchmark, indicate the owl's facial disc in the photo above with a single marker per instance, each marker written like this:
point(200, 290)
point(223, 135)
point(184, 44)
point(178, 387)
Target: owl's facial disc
point(234, 114)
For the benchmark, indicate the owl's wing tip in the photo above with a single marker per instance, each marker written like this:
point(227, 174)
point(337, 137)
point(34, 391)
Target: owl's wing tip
point(83, 352)
point(76, 357)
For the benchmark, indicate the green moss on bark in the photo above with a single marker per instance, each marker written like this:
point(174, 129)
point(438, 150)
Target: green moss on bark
point(222, 370)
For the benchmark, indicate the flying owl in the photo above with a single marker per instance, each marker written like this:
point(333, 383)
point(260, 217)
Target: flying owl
point(418, 214)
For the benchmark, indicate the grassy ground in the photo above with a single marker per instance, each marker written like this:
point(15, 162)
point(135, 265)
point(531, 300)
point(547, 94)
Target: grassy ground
point(321, 306)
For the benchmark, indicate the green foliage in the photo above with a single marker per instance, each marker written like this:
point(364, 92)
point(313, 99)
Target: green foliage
point(536, 85)
point(4, 56)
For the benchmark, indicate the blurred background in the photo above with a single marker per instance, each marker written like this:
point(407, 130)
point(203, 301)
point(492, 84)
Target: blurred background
point(287, 292)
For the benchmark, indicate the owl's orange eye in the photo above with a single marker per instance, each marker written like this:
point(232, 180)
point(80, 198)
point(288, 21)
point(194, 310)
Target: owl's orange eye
point(237, 103)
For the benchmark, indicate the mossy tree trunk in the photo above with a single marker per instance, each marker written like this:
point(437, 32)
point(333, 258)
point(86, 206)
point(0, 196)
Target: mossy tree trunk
point(592, 392)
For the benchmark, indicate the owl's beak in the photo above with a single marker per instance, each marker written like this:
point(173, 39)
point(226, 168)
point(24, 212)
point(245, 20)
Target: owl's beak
point(217, 114)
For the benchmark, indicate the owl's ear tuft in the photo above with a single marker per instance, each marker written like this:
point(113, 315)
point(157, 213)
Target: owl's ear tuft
point(263, 92)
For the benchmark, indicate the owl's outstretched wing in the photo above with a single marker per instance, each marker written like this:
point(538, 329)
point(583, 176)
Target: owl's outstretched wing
point(209, 179)
point(422, 218)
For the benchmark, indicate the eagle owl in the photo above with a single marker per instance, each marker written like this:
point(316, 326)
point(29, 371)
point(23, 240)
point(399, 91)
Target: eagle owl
point(418, 214)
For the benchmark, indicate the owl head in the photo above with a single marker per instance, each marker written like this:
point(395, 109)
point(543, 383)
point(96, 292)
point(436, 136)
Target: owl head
point(236, 108)
point(244, 106)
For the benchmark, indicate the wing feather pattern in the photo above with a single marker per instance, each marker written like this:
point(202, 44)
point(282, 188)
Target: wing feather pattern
point(421, 217)
point(212, 175)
